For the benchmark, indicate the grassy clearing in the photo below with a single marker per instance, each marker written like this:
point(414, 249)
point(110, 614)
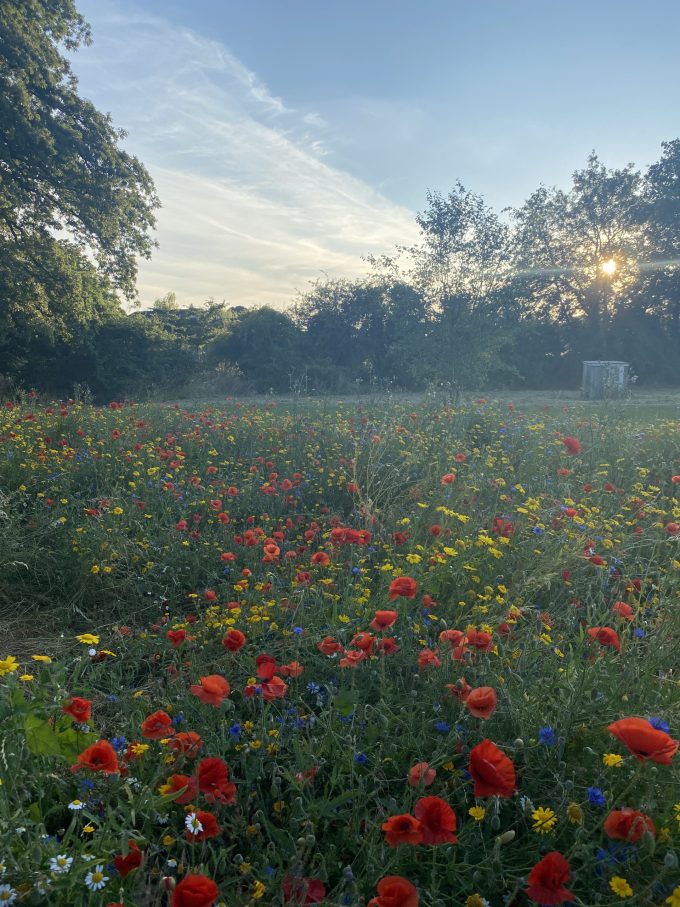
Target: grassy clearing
point(527, 595)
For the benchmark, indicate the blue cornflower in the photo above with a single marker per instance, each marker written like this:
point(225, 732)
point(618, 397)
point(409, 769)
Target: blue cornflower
point(178, 719)
point(313, 687)
point(360, 758)
point(298, 630)
point(639, 633)
point(537, 530)
point(596, 797)
point(118, 743)
point(235, 730)
point(659, 724)
point(547, 736)
point(86, 783)
point(112, 697)
point(442, 727)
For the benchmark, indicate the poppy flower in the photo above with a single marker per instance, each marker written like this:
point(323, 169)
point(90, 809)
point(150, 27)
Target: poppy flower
point(329, 646)
point(606, 637)
point(274, 689)
point(157, 726)
point(303, 890)
point(438, 820)
point(213, 780)
point(294, 669)
point(676, 480)
point(176, 783)
point(188, 743)
point(491, 770)
point(621, 609)
point(234, 640)
point(479, 639)
point(628, 825)
point(100, 757)
point(449, 478)
point(132, 860)
point(428, 659)
point(195, 891)
point(403, 586)
point(481, 702)
point(572, 445)
point(176, 637)
point(395, 891)
point(210, 827)
point(387, 646)
point(265, 666)
point(461, 689)
point(363, 641)
point(383, 620)
point(79, 709)
point(547, 880)
point(211, 690)
point(404, 829)
point(421, 773)
point(672, 528)
point(321, 559)
point(644, 741)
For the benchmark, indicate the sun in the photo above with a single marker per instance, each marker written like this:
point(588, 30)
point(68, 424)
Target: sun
point(609, 267)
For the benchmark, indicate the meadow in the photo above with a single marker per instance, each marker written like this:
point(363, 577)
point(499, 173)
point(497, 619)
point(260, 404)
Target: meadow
point(390, 653)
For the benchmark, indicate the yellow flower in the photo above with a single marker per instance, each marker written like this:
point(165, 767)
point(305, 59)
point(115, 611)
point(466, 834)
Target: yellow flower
point(44, 658)
point(8, 665)
point(245, 868)
point(88, 639)
point(476, 900)
point(620, 887)
point(673, 899)
point(612, 760)
point(88, 830)
point(676, 810)
point(26, 677)
point(477, 813)
point(544, 820)
point(94, 569)
point(168, 840)
point(138, 749)
point(279, 806)
point(575, 814)
point(259, 889)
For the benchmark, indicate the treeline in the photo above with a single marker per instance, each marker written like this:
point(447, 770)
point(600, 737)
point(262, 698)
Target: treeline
point(514, 299)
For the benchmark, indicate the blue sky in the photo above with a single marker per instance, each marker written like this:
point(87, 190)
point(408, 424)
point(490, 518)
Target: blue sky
point(289, 138)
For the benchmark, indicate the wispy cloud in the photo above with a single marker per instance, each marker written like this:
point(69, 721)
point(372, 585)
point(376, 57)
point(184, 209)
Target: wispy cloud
point(253, 207)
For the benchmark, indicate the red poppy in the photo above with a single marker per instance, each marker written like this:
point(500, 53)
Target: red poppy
point(100, 757)
point(186, 742)
point(195, 891)
point(481, 702)
point(294, 669)
point(132, 860)
point(212, 689)
point(210, 828)
point(79, 709)
point(672, 528)
point(303, 890)
point(157, 726)
point(461, 689)
point(383, 620)
point(628, 824)
point(274, 689)
point(421, 773)
point(428, 659)
point(606, 637)
point(321, 559)
point(395, 891)
point(645, 741)
point(492, 771)
point(573, 446)
point(178, 782)
point(234, 640)
point(364, 641)
point(403, 586)
point(621, 609)
point(213, 780)
point(387, 646)
point(176, 637)
point(438, 820)
point(676, 480)
point(265, 666)
point(403, 829)
point(479, 639)
point(329, 646)
point(547, 880)
point(449, 478)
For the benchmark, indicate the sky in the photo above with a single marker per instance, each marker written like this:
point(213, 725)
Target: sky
point(289, 139)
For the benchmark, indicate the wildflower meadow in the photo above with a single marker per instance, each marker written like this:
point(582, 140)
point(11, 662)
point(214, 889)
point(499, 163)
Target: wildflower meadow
point(387, 653)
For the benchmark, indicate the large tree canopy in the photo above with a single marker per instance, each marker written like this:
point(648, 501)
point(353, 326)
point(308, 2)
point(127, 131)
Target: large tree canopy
point(62, 170)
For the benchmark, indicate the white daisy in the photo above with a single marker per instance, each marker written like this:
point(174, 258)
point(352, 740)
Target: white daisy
point(61, 863)
point(8, 895)
point(96, 880)
point(76, 804)
point(193, 824)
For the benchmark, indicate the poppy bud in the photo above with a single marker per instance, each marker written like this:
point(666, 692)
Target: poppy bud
point(506, 837)
point(495, 823)
point(168, 883)
point(670, 860)
point(518, 743)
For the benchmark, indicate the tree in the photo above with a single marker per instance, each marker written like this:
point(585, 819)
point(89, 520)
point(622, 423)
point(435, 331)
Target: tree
point(63, 174)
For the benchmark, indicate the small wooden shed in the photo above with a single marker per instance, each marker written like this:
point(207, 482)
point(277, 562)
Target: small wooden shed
point(604, 379)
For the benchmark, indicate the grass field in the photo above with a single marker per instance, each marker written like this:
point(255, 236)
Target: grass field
point(387, 652)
